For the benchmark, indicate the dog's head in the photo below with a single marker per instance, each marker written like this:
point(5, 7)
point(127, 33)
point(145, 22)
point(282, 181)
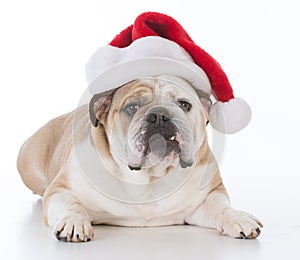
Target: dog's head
point(156, 122)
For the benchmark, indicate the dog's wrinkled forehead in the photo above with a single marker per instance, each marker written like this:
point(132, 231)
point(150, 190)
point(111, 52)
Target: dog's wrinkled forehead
point(167, 85)
point(162, 89)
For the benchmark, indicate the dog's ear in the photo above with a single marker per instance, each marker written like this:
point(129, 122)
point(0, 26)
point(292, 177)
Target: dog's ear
point(99, 106)
point(204, 99)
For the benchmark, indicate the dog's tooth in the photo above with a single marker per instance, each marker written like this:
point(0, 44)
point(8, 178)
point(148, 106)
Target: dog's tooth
point(172, 138)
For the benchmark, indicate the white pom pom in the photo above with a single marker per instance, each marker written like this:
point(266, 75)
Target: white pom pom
point(230, 117)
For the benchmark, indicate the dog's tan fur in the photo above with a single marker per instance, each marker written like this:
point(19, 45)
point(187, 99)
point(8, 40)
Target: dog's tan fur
point(71, 204)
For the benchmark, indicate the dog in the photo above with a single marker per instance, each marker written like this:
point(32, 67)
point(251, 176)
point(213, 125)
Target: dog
point(142, 132)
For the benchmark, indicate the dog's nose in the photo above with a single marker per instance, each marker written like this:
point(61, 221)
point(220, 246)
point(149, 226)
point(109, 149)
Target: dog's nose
point(158, 115)
point(156, 118)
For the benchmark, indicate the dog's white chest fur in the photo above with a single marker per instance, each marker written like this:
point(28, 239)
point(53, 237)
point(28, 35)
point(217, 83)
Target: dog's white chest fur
point(168, 210)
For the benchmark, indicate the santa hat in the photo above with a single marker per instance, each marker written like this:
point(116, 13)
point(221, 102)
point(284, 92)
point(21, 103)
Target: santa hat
point(156, 44)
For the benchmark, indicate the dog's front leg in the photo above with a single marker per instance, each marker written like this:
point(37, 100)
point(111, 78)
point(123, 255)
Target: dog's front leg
point(64, 212)
point(216, 212)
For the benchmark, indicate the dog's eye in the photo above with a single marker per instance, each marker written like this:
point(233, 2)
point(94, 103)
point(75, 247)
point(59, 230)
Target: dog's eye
point(131, 109)
point(185, 106)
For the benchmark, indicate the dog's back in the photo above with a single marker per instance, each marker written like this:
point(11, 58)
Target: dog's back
point(39, 157)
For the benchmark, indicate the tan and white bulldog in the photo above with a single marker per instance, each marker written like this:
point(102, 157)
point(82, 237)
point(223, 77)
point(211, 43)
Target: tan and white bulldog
point(143, 133)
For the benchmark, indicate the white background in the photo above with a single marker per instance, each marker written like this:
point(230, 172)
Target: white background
point(44, 46)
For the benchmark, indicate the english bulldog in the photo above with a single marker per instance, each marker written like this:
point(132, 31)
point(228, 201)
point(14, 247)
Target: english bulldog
point(151, 156)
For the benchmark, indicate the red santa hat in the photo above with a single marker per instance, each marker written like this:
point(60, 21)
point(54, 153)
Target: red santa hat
point(156, 44)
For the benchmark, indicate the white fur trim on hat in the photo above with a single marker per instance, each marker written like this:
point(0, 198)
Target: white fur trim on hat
point(230, 117)
point(149, 56)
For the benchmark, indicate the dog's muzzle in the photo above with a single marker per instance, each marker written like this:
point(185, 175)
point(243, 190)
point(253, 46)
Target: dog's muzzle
point(159, 138)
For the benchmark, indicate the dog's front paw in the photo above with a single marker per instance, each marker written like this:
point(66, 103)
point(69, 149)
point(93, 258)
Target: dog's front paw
point(240, 224)
point(74, 229)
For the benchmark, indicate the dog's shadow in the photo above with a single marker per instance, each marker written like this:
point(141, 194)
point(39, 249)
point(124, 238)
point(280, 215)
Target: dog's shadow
point(34, 223)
